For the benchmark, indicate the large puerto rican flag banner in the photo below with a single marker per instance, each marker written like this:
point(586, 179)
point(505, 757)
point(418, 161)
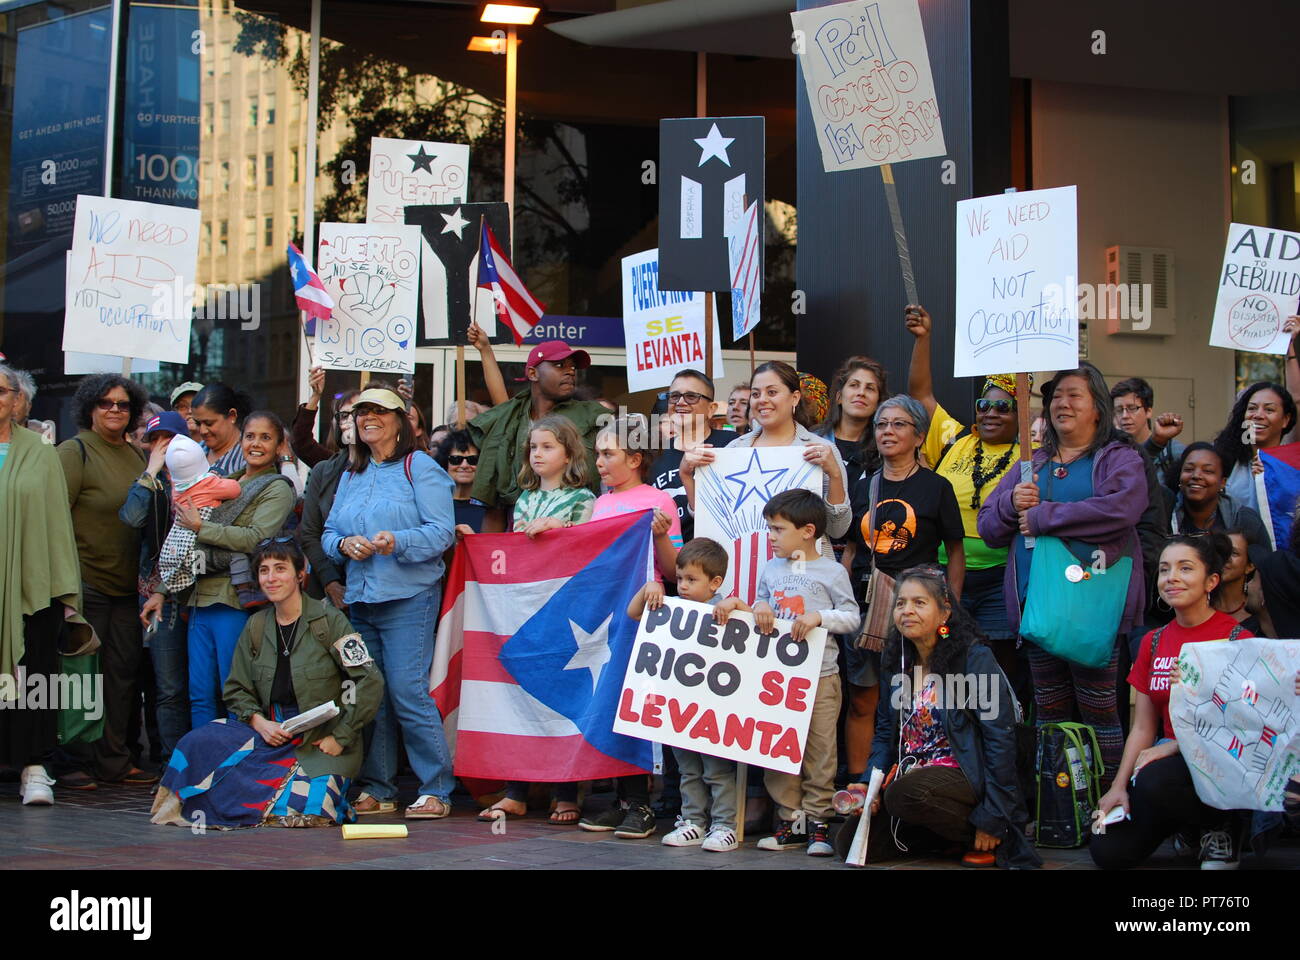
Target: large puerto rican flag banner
point(532, 647)
point(1277, 490)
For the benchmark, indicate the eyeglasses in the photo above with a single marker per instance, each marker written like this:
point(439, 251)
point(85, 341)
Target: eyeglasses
point(1001, 405)
point(1131, 411)
point(456, 459)
point(263, 544)
point(343, 415)
point(894, 424)
point(5, 391)
point(689, 396)
point(107, 404)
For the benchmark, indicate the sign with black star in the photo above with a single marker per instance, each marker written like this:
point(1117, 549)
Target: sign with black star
point(710, 168)
point(449, 293)
point(403, 172)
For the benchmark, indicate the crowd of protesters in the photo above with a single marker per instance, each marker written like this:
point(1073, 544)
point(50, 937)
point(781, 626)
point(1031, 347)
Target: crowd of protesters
point(233, 573)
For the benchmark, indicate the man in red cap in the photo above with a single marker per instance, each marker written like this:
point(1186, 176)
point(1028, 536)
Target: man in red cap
point(501, 434)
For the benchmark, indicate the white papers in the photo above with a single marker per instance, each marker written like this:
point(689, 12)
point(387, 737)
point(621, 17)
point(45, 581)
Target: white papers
point(1259, 288)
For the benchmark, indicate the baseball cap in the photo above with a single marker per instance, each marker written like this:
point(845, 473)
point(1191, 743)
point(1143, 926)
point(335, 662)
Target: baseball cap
point(557, 350)
point(380, 397)
point(188, 387)
point(171, 421)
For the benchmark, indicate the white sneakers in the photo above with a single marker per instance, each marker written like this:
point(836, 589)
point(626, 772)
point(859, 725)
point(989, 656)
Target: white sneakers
point(37, 787)
point(687, 834)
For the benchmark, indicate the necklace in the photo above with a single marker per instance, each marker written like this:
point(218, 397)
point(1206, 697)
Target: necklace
point(286, 645)
point(1061, 471)
point(1236, 610)
point(979, 478)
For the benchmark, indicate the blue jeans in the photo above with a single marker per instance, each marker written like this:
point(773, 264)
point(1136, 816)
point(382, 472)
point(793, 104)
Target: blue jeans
point(167, 649)
point(399, 634)
point(213, 635)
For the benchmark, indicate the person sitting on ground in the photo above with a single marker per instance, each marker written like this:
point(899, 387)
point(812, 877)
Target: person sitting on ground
point(950, 763)
point(293, 657)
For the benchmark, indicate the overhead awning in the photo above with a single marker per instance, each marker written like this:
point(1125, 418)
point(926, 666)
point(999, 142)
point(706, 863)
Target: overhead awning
point(752, 28)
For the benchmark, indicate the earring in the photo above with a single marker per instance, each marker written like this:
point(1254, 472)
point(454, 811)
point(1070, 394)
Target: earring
point(944, 631)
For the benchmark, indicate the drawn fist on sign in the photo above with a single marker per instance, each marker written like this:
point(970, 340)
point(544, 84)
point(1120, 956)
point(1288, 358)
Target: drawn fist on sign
point(366, 298)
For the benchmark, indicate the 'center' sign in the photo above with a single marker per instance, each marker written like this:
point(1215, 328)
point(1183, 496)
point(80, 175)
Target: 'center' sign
point(721, 689)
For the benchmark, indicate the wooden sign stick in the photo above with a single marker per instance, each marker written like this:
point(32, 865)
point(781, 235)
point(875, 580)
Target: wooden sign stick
point(1026, 445)
point(742, 788)
point(708, 334)
point(900, 233)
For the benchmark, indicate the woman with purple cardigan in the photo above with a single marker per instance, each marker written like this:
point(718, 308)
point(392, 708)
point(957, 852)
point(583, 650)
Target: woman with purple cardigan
point(1089, 489)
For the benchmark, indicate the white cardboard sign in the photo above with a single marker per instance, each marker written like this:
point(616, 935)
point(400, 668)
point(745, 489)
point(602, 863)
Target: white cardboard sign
point(867, 73)
point(725, 690)
point(131, 267)
point(1017, 263)
point(372, 271)
point(405, 173)
point(663, 329)
point(1259, 288)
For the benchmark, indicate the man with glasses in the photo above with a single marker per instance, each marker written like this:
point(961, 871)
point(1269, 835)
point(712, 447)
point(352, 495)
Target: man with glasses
point(689, 399)
point(1133, 399)
point(501, 434)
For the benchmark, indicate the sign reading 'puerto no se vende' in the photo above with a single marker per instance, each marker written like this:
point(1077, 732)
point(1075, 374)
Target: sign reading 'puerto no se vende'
point(725, 690)
point(1017, 263)
point(1259, 289)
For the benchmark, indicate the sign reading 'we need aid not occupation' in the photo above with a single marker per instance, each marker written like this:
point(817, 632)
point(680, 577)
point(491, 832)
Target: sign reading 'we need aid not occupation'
point(725, 690)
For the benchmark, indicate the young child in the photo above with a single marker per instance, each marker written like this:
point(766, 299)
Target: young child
point(554, 494)
point(701, 567)
point(193, 484)
point(623, 457)
point(801, 585)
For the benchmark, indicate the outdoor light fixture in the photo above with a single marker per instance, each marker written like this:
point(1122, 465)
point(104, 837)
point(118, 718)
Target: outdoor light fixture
point(512, 13)
point(487, 45)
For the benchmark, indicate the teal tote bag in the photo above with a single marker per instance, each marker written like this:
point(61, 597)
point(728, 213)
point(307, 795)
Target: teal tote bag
point(1070, 611)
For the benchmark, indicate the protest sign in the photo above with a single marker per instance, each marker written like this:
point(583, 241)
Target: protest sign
point(131, 267)
point(371, 272)
point(1017, 260)
point(663, 329)
point(1234, 714)
point(707, 166)
point(449, 241)
point(1259, 288)
point(744, 246)
point(730, 494)
point(76, 363)
point(725, 690)
point(406, 172)
point(867, 74)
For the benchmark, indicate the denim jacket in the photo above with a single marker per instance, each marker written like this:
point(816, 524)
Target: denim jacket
point(148, 508)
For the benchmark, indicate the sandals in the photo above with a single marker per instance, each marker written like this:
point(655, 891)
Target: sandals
point(428, 807)
point(565, 818)
point(365, 805)
point(496, 812)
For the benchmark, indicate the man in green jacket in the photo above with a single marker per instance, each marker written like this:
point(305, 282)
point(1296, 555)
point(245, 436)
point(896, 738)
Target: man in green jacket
point(501, 434)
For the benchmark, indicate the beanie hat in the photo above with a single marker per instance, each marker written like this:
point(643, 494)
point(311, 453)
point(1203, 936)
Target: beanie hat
point(186, 462)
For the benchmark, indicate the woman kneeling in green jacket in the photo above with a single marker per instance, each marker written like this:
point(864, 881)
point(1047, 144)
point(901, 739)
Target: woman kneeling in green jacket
point(291, 658)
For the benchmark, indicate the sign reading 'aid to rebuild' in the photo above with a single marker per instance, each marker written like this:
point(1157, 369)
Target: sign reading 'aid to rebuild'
point(1259, 289)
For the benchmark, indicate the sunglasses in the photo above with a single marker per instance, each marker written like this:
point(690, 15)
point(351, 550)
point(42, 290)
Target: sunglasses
point(984, 405)
point(456, 459)
point(113, 404)
point(262, 544)
point(367, 410)
point(343, 415)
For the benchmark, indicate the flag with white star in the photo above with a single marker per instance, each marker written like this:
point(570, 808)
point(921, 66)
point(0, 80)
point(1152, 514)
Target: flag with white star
point(449, 262)
point(531, 651)
point(710, 168)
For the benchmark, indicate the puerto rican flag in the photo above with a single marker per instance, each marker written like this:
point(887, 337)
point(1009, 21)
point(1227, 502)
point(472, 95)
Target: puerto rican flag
point(532, 648)
point(516, 307)
point(1277, 489)
point(308, 291)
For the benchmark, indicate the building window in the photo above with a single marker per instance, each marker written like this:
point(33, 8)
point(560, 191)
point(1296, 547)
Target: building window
point(208, 118)
point(270, 109)
point(268, 231)
point(293, 230)
point(225, 116)
point(293, 164)
point(268, 169)
point(250, 233)
point(250, 173)
point(252, 112)
point(224, 56)
point(222, 245)
point(206, 248)
point(225, 176)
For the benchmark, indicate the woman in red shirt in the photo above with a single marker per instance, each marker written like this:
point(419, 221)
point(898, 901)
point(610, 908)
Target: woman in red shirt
point(1153, 784)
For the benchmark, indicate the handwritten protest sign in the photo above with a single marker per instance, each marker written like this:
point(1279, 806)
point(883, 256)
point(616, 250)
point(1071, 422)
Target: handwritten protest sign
point(372, 272)
point(867, 73)
point(744, 240)
point(663, 329)
point(76, 363)
point(1234, 713)
point(1017, 260)
point(130, 267)
point(721, 689)
point(406, 172)
point(730, 494)
point(1259, 288)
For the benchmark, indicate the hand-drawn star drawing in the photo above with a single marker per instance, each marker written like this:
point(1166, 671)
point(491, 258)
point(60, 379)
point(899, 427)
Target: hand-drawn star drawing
point(714, 145)
point(455, 223)
point(421, 160)
point(752, 480)
point(593, 649)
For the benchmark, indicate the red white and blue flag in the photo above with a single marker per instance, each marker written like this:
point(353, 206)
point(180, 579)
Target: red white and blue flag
point(1277, 490)
point(308, 291)
point(516, 307)
point(532, 648)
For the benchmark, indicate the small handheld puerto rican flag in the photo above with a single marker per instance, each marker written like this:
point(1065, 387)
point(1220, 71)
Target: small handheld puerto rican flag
point(310, 293)
point(517, 307)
